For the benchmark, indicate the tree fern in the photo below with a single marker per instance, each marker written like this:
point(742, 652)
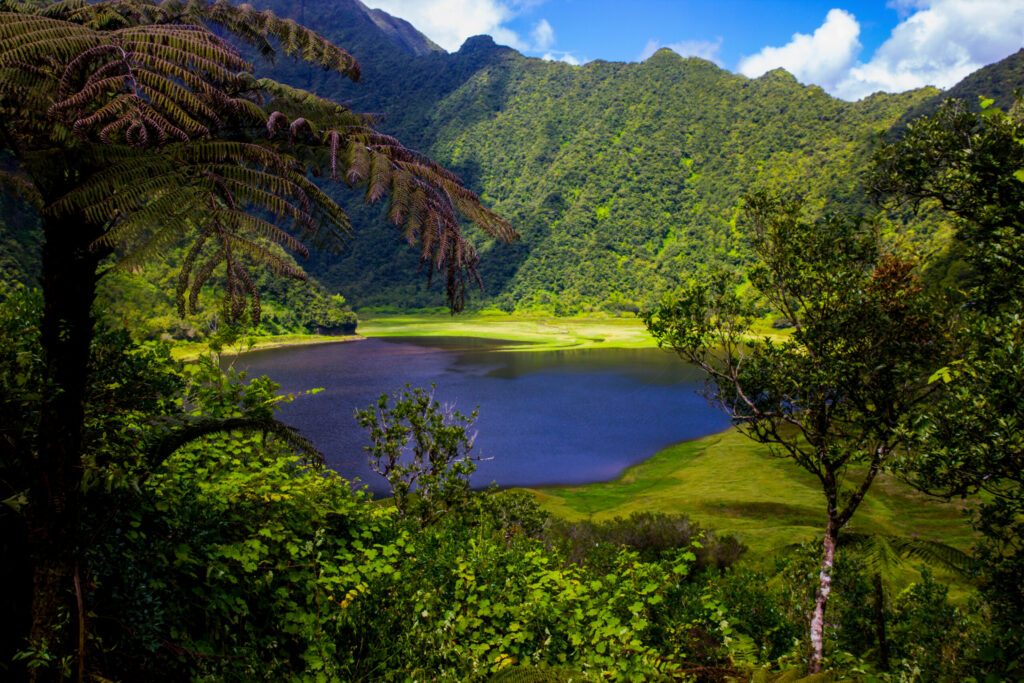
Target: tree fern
point(134, 125)
point(153, 77)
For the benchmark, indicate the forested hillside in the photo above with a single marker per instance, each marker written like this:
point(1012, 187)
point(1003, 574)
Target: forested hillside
point(1000, 82)
point(622, 179)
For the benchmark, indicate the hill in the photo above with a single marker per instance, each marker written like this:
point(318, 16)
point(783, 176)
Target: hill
point(622, 178)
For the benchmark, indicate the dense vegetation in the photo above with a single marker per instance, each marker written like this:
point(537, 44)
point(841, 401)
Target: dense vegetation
point(159, 523)
point(135, 128)
point(836, 396)
point(622, 179)
point(143, 300)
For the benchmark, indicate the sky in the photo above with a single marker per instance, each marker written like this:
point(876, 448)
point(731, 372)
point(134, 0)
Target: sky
point(851, 48)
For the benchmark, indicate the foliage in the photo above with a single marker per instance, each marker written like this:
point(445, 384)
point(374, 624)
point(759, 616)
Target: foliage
point(838, 394)
point(143, 302)
point(932, 639)
point(290, 574)
point(264, 545)
point(650, 535)
point(623, 179)
point(423, 449)
point(971, 165)
point(757, 607)
point(968, 165)
point(133, 126)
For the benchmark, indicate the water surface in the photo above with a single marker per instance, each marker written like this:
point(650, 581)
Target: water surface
point(546, 417)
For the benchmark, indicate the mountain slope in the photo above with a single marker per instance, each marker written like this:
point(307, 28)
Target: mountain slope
point(623, 179)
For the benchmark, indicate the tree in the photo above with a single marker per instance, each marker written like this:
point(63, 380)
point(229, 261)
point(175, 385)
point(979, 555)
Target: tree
point(131, 125)
point(971, 166)
point(835, 394)
point(423, 449)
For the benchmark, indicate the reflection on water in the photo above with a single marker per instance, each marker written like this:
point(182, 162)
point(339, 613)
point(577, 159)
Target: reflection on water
point(546, 417)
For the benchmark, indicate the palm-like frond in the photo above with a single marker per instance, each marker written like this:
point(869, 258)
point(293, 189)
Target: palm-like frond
point(188, 140)
point(883, 551)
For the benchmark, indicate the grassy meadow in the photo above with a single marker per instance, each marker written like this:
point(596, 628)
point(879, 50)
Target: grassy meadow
point(531, 333)
point(730, 484)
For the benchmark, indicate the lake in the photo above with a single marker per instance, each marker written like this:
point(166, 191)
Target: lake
point(546, 417)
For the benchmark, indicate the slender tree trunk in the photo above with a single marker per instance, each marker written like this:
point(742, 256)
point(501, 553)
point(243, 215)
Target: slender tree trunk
point(880, 636)
point(824, 589)
point(69, 280)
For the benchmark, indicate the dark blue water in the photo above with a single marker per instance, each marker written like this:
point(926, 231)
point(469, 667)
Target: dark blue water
point(546, 417)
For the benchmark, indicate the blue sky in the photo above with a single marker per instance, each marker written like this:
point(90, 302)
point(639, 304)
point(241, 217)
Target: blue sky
point(849, 47)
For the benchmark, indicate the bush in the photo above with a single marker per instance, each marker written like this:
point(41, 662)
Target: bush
point(650, 535)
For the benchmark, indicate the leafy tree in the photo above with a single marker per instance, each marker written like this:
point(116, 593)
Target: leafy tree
point(835, 395)
point(423, 449)
point(971, 165)
point(132, 124)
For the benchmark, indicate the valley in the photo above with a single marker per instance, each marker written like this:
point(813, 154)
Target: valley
point(328, 353)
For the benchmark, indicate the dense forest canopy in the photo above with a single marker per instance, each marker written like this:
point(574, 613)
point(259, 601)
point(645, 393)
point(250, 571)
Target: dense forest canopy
point(568, 154)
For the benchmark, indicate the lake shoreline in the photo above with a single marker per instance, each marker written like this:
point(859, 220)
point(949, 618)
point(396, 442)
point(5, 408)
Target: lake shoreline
point(519, 332)
point(190, 351)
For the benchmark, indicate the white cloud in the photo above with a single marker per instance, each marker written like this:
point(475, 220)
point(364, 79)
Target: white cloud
point(823, 58)
point(566, 57)
point(938, 44)
point(906, 7)
point(705, 49)
point(543, 35)
point(449, 22)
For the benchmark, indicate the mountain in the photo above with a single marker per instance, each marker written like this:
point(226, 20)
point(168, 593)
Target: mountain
point(351, 24)
point(623, 179)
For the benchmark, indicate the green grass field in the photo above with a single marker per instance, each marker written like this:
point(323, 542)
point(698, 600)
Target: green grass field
point(534, 333)
point(732, 485)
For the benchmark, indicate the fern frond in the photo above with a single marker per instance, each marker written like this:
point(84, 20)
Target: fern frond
point(261, 254)
point(257, 226)
point(883, 551)
point(256, 27)
point(202, 275)
point(172, 207)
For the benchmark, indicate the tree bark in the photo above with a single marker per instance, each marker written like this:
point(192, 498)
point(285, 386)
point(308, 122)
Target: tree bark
point(880, 636)
point(69, 277)
point(824, 589)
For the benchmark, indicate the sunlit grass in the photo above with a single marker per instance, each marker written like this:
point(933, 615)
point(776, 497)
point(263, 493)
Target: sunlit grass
point(732, 485)
point(532, 332)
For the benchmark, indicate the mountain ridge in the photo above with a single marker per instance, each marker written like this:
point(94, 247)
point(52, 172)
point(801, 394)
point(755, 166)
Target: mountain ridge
point(578, 157)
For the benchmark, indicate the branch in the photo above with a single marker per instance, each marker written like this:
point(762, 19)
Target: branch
point(858, 496)
point(170, 442)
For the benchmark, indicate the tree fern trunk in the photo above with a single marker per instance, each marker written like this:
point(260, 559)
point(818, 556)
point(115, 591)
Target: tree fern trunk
point(824, 589)
point(69, 284)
